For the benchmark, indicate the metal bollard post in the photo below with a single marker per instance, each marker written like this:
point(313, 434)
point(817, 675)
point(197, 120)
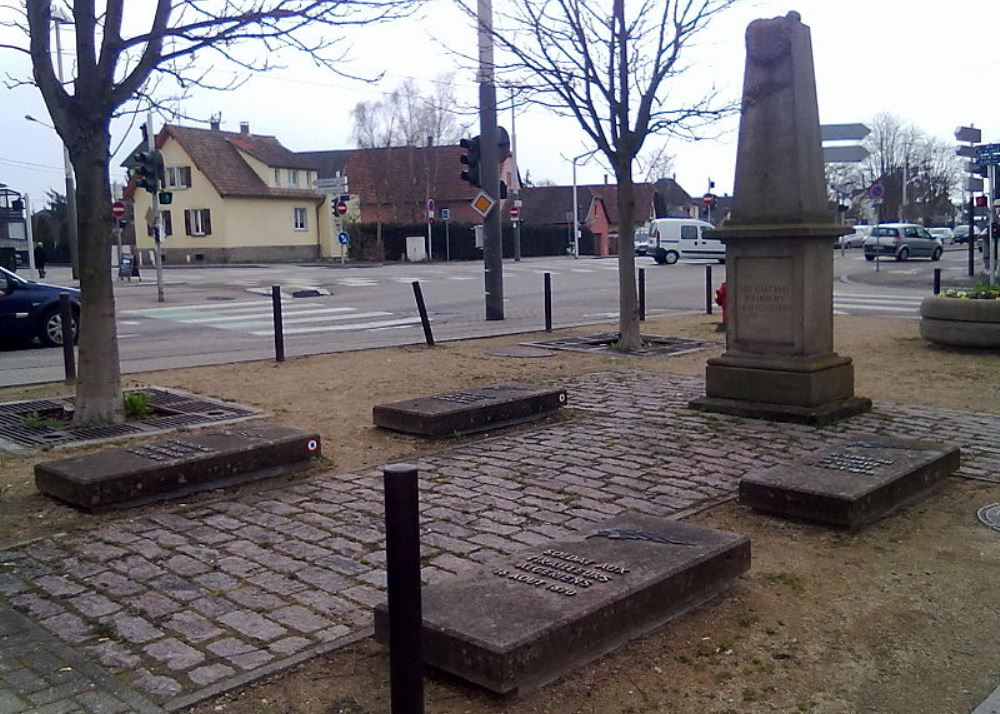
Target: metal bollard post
point(708, 289)
point(642, 294)
point(937, 281)
point(422, 309)
point(548, 302)
point(279, 330)
point(66, 318)
point(402, 567)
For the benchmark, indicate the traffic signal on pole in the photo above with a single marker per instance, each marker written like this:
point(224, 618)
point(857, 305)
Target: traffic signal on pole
point(471, 159)
point(148, 169)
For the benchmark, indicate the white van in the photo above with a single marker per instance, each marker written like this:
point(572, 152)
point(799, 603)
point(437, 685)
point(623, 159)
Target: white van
point(671, 239)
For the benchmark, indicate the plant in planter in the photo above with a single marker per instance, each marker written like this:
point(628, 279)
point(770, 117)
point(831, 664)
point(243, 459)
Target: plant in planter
point(963, 317)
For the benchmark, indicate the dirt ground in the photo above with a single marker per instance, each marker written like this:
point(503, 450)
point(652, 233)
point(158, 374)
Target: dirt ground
point(903, 617)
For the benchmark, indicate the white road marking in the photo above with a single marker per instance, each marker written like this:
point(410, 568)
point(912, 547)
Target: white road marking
point(154, 311)
point(268, 314)
point(342, 328)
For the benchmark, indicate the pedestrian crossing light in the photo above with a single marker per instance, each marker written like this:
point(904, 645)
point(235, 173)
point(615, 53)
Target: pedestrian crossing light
point(471, 159)
point(147, 167)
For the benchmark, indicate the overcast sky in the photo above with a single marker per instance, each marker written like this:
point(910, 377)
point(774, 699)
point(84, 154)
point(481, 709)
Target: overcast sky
point(933, 64)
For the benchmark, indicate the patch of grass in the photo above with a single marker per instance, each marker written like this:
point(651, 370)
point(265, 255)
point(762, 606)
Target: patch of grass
point(749, 694)
point(784, 579)
point(34, 420)
point(763, 666)
point(137, 405)
point(748, 620)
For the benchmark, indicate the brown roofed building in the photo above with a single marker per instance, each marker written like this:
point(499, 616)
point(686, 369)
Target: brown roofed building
point(237, 197)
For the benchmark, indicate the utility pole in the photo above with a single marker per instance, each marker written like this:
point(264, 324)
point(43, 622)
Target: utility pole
point(28, 231)
point(59, 18)
point(515, 183)
point(157, 215)
point(490, 164)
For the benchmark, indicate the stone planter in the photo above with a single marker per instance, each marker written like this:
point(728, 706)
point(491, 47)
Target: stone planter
point(961, 323)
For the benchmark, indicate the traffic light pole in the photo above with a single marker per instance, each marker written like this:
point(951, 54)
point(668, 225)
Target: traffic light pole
point(490, 165)
point(157, 216)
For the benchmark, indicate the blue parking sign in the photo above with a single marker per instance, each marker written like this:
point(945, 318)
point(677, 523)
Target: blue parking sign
point(343, 238)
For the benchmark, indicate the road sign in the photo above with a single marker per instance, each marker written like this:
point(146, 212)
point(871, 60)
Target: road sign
point(515, 213)
point(430, 205)
point(341, 208)
point(988, 154)
point(118, 209)
point(336, 184)
point(843, 132)
point(974, 184)
point(445, 214)
point(708, 199)
point(483, 203)
point(844, 154)
point(968, 152)
point(969, 134)
point(343, 238)
point(876, 192)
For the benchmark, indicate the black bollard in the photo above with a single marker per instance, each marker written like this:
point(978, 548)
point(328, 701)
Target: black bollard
point(548, 302)
point(402, 567)
point(937, 281)
point(279, 331)
point(642, 294)
point(66, 318)
point(418, 294)
point(708, 289)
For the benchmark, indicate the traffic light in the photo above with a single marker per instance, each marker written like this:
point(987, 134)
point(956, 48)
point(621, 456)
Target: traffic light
point(148, 169)
point(471, 159)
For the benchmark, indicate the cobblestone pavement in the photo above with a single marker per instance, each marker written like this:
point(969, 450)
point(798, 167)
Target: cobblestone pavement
point(192, 599)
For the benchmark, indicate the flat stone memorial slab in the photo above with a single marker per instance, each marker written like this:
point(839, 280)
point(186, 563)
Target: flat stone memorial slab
point(132, 475)
point(532, 617)
point(851, 485)
point(471, 411)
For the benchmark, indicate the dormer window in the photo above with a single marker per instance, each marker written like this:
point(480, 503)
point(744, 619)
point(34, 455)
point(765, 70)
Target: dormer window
point(293, 177)
point(277, 177)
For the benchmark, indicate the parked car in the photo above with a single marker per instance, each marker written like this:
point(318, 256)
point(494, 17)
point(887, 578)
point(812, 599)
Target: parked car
point(671, 239)
point(856, 238)
point(962, 233)
point(902, 241)
point(30, 310)
point(641, 240)
point(944, 234)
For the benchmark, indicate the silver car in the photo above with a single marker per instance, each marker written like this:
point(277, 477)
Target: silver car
point(902, 241)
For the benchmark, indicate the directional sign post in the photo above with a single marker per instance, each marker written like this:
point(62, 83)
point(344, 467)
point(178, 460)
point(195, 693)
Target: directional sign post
point(972, 136)
point(844, 153)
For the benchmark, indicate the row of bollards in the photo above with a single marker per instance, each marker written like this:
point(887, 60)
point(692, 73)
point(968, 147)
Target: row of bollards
point(279, 330)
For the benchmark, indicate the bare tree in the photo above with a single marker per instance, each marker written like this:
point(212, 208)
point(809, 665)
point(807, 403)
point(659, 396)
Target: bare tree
point(611, 74)
point(407, 117)
point(113, 71)
point(658, 164)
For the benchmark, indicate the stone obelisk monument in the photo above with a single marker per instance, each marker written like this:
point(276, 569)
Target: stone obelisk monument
point(779, 362)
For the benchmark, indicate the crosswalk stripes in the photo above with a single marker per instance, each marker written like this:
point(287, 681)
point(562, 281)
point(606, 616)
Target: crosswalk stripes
point(256, 317)
point(851, 303)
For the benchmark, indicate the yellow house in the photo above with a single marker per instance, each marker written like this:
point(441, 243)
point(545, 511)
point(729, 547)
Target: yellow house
point(237, 197)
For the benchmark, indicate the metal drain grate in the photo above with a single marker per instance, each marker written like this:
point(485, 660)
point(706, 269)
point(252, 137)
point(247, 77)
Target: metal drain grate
point(603, 344)
point(172, 410)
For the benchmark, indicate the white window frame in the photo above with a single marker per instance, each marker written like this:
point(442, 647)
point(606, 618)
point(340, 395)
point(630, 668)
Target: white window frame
point(277, 177)
point(174, 177)
point(197, 221)
point(298, 225)
point(293, 177)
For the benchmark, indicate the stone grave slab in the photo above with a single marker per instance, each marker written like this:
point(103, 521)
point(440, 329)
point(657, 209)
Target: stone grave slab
point(532, 617)
point(133, 475)
point(853, 484)
point(470, 411)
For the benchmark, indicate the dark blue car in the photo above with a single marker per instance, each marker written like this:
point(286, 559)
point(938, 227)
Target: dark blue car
point(30, 310)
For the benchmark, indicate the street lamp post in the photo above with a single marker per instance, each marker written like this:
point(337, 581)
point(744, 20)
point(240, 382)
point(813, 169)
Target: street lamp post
point(576, 213)
point(59, 17)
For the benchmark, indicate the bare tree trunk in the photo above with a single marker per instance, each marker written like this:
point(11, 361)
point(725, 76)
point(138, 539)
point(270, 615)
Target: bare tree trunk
point(628, 304)
point(98, 389)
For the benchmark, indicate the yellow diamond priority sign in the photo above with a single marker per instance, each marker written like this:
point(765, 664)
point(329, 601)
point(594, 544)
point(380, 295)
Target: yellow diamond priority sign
point(483, 203)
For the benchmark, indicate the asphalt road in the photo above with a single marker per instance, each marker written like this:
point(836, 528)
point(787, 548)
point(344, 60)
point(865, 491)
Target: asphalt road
point(220, 315)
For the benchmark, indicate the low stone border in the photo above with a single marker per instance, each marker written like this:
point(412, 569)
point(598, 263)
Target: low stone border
point(960, 323)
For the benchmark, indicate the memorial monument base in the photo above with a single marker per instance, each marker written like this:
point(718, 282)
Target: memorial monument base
point(827, 413)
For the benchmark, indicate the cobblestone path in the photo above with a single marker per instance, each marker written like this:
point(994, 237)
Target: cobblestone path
point(188, 600)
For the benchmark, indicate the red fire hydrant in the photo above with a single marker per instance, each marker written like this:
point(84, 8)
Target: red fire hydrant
point(720, 300)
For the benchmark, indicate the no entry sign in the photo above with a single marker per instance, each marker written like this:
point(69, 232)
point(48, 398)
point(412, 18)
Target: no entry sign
point(118, 209)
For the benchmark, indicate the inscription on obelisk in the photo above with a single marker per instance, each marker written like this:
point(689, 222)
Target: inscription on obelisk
point(765, 302)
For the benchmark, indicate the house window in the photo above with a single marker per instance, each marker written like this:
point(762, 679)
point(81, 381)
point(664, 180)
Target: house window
point(168, 225)
point(277, 177)
point(198, 222)
point(299, 219)
point(178, 177)
point(293, 177)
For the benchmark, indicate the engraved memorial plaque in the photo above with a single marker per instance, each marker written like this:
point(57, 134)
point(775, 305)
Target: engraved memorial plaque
point(532, 617)
point(853, 484)
point(764, 302)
